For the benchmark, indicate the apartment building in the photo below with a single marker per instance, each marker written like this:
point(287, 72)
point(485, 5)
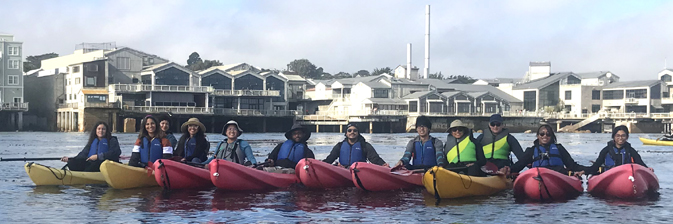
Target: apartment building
point(12, 105)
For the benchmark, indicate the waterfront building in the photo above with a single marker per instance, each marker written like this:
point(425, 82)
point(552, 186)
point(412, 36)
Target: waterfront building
point(644, 97)
point(400, 72)
point(12, 105)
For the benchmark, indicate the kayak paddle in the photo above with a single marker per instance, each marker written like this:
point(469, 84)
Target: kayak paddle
point(31, 159)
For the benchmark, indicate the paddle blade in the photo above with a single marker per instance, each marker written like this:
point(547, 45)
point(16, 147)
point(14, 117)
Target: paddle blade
point(490, 168)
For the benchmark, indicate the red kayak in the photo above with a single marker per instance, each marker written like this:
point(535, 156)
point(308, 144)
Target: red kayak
point(629, 181)
point(176, 175)
point(234, 176)
point(543, 184)
point(372, 177)
point(318, 174)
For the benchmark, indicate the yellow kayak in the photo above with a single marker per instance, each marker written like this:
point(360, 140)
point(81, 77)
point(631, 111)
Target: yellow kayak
point(122, 176)
point(44, 175)
point(655, 142)
point(449, 184)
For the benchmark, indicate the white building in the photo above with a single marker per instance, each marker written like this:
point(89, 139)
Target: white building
point(401, 72)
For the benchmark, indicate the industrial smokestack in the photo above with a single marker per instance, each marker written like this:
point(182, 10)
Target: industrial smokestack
point(408, 75)
point(427, 42)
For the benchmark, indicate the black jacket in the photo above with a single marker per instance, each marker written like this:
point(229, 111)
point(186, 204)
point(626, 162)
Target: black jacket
point(593, 169)
point(112, 154)
point(201, 151)
point(367, 149)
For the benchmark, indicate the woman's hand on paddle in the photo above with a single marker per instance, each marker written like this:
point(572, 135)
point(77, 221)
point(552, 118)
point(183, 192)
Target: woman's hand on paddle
point(183, 159)
point(400, 163)
point(92, 158)
point(269, 162)
point(651, 169)
point(469, 164)
point(386, 165)
point(64, 159)
point(504, 170)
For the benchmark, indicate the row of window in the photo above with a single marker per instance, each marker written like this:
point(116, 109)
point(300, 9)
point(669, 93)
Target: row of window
point(613, 94)
point(89, 81)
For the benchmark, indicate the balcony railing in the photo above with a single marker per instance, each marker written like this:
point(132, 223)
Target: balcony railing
point(221, 92)
point(89, 105)
point(159, 88)
point(254, 113)
point(14, 106)
point(166, 109)
point(631, 100)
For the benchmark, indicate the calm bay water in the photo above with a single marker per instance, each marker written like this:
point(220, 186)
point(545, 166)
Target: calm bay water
point(22, 202)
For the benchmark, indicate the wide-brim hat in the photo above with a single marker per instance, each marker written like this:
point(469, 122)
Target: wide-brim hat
point(232, 122)
point(192, 121)
point(457, 124)
point(307, 133)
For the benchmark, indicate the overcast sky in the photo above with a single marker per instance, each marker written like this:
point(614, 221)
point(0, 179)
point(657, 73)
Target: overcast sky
point(482, 39)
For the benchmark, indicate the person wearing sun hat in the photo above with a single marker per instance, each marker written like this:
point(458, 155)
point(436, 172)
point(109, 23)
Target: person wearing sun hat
point(354, 149)
point(286, 155)
point(423, 151)
point(498, 144)
point(232, 148)
point(462, 150)
point(193, 145)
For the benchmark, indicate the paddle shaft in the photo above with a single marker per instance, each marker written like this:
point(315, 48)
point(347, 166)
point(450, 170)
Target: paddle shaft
point(31, 159)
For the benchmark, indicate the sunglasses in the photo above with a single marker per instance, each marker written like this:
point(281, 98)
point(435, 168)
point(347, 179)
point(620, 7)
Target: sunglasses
point(456, 130)
point(352, 130)
point(495, 124)
point(542, 134)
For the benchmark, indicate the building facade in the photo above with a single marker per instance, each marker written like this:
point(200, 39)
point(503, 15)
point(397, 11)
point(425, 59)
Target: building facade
point(12, 105)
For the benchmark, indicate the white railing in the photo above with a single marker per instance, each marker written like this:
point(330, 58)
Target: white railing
point(89, 104)
point(631, 100)
point(322, 117)
point(166, 109)
point(253, 112)
point(14, 106)
point(158, 88)
point(221, 92)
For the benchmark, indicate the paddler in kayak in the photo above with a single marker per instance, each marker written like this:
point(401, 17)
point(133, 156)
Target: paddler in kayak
point(286, 155)
point(100, 147)
point(546, 153)
point(151, 144)
point(193, 145)
point(462, 150)
point(233, 149)
point(424, 151)
point(354, 149)
point(165, 124)
point(498, 144)
point(617, 152)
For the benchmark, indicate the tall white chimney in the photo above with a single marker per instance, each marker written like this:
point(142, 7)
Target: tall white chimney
point(427, 42)
point(408, 75)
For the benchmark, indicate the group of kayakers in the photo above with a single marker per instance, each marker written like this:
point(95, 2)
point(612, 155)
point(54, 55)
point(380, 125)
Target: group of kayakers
point(462, 153)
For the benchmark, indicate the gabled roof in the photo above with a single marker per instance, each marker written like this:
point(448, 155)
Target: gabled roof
point(417, 95)
point(593, 75)
point(405, 81)
point(450, 80)
point(451, 93)
point(376, 85)
point(632, 84)
point(162, 66)
point(544, 82)
point(483, 88)
point(89, 60)
point(477, 94)
point(34, 71)
point(502, 80)
point(293, 77)
point(137, 52)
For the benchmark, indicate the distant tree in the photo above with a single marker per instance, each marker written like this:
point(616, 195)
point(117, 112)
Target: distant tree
point(195, 63)
point(378, 71)
point(305, 69)
point(35, 61)
point(342, 75)
point(361, 73)
point(462, 79)
point(436, 75)
point(326, 75)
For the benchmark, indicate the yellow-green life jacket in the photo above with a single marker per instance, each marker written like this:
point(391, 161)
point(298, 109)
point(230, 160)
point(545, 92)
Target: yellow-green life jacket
point(464, 151)
point(496, 147)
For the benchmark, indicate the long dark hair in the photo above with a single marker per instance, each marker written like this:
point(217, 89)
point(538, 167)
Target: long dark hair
point(143, 131)
point(550, 132)
point(93, 134)
point(199, 134)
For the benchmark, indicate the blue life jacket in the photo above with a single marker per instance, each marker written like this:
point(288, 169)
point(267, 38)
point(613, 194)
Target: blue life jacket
point(151, 150)
point(292, 151)
point(542, 158)
point(425, 155)
point(190, 147)
point(97, 147)
point(351, 154)
point(616, 157)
